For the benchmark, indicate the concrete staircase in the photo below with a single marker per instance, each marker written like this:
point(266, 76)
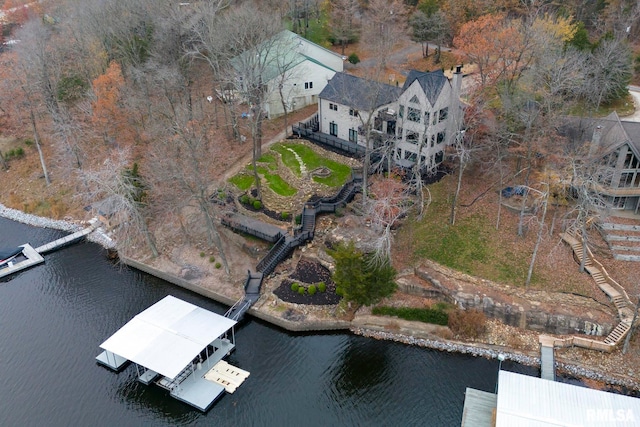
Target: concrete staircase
point(623, 240)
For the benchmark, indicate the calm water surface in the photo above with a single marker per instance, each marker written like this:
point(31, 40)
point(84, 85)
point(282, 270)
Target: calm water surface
point(54, 316)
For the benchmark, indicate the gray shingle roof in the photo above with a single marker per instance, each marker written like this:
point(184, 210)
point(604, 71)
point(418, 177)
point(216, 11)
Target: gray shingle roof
point(432, 82)
point(613, 131)
point(359, 93)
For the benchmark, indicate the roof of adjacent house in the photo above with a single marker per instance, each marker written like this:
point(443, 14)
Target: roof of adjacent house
point(359, 93)
point(431, 82)
point(282, 52)
point(613, 131)
point(527, 401)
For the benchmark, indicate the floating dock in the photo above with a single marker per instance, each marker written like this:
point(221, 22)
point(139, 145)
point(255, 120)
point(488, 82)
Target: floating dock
point(34, 256)
point(179, 347)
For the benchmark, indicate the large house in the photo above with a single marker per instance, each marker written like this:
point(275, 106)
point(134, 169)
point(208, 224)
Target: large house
point(417, 120)
point(349, 103)
point(428, 116)
point(615, 150)
point(289, 65)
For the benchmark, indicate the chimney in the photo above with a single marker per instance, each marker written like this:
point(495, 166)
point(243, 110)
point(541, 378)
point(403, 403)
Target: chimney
point(595, 140)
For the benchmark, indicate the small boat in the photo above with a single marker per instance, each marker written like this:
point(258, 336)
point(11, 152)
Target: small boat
point(6, 255)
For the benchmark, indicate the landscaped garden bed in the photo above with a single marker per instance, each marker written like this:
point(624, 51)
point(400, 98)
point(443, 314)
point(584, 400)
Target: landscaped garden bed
point(310, 284)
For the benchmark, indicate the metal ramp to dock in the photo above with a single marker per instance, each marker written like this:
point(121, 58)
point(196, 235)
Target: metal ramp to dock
point(547, 362)
point(66, 240)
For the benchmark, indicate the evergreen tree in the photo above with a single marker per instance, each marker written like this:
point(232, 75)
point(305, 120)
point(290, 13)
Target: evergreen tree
point(358, 279)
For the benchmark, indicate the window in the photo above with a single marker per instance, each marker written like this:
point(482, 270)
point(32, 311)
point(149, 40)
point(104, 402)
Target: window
point(433, 141)
point(413, 114)
point(410, 156)
point(631, 162)
point(434, 118)
point(401, 111)
point(412, 137)
point(353, 112)
point(426, 117)
point(333, 107)
point(400, 130)
point(627, 179)
point(440, 139)
point(414, 99)
point(333, 128)
point(439, 157)
point(353, 135)
point(308, 85)
point(619, 202)
point(443, 114)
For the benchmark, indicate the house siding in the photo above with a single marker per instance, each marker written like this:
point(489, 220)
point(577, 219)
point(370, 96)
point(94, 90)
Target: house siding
point(296, 96)
point(406, 149)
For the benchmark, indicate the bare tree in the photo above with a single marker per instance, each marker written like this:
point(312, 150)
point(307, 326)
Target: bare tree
point(389, 203)
point(184, 172)
point(343, 21)
point(118, 182)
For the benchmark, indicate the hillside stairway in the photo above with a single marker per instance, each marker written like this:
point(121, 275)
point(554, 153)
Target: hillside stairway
point(284, 242)
point(623, 240)
point(611, 288)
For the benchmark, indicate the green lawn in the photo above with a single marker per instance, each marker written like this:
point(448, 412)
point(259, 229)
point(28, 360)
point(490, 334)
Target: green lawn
point(242, 181)
point(312, 160)
point(471, 246)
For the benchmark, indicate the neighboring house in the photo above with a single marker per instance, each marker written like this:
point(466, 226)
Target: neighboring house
point(347, 104)
point(429, 116)
point(290, 64)
point(615, 146)
point(421, 118)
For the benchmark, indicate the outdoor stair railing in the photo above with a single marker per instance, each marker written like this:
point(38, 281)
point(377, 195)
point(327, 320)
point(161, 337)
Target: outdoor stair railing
point(611, 288)
point(285, 243)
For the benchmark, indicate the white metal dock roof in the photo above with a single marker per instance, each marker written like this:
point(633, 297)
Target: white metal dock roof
point(167, 336)
point(525, 401)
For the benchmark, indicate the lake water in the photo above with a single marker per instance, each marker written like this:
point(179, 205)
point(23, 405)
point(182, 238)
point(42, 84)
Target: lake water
point(54, 316)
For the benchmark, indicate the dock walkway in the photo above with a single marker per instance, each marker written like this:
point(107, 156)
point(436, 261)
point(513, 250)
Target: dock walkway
point(547, 359)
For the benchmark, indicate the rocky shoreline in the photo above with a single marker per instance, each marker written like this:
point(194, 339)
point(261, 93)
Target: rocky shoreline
point(462, 348)
point(442, 345)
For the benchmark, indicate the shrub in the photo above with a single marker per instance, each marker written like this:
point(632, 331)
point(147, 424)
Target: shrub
point(425, 315)
point(212, 258)
point(467, 323)
point(301, 290)
point(354, 58)
point(284, 216)
point(218, 265)
point(257, 204)
point(244, 199)
point(28, 142)
point(295, 287)
point(19, 152)
point(201, 254)
point(322, 287)
point(312, 289)
point(298, 219)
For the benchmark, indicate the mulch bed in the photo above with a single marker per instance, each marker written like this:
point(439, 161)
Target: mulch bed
point(308, 272)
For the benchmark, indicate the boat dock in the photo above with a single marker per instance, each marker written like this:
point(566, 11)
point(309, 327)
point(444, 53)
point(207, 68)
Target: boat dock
point(34, 256)
point(193, 372)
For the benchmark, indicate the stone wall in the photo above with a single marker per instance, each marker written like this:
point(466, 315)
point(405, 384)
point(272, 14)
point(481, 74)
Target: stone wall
point(516, 310)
